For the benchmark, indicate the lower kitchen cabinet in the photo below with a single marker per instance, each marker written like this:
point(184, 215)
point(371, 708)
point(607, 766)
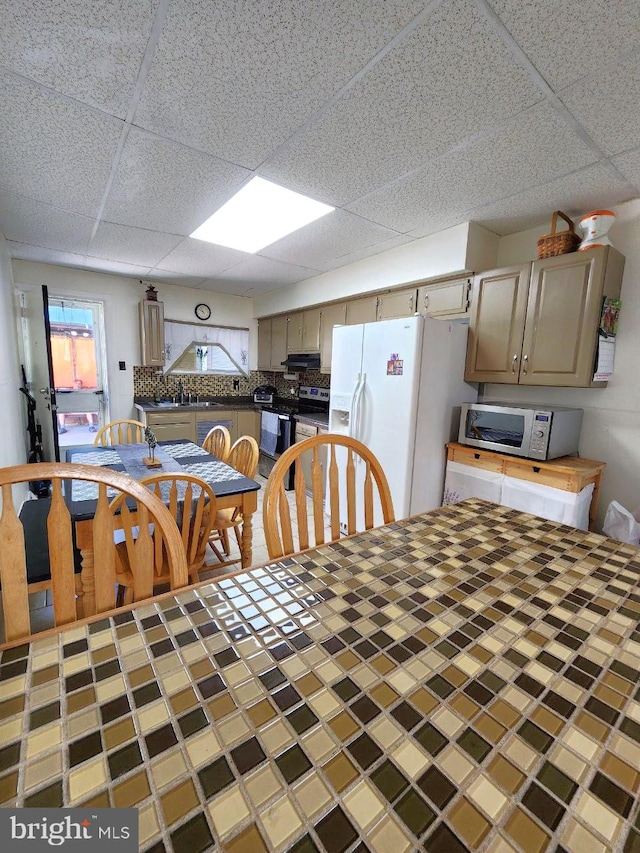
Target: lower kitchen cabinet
point(172, 425)
point(206, 421)
point(248, 423)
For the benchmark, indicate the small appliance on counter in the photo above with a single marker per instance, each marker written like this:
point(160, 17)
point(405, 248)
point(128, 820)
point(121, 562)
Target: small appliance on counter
point(521, 429)
point(265, 394)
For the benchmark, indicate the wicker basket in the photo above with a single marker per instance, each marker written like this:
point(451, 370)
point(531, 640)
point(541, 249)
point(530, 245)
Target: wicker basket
point(558, 243)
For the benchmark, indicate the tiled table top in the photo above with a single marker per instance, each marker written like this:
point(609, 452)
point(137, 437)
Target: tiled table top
point(464, 680)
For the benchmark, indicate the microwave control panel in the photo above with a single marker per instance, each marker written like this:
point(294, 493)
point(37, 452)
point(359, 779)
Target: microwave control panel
point(540, 434)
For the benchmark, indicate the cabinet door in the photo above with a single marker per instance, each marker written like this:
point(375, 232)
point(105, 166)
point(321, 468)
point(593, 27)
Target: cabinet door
point(402, 303)
point(311, 330)
point(362, 310)
point(332, 315)
point(561, 329)
point(294, 332)
point(264, 344)
point(152, 333)
point(496, 327)
point(249, 423)
point(449, 299)
point(278, 342)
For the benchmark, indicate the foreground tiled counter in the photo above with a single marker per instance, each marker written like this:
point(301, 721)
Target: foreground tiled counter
point(465, 680)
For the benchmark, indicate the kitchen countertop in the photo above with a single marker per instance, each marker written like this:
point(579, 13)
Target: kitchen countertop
point(320, 419)
point(147, 404)
point(462, 680)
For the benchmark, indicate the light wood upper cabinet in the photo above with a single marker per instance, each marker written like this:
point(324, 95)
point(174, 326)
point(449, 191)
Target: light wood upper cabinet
point(279, 326)
point(563, 314)
point(295, 332)
point(537, 324)
point(398, 303)
point(331, 315)
point(499, 305)
point(264, 344)
point(152, 333)
point(362, 310)
point(311, 330)
point(446, 299)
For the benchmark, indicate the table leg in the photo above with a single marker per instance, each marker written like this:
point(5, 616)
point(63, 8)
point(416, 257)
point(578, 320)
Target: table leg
point(249, 506)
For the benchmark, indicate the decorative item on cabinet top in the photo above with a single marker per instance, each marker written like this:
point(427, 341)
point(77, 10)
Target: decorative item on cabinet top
point(558, 242)
point(594, 227)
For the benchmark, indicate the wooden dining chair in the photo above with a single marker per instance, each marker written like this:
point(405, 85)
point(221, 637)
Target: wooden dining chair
point(66, 585)
point(218, 442)
point(243, 456)
point(276, 510)
point(191, 504)
point(120, 432)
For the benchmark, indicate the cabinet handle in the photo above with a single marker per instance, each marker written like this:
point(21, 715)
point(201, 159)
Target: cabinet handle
point(525, 359)
point(411, 304)
point(426, 301)
point(514, 361)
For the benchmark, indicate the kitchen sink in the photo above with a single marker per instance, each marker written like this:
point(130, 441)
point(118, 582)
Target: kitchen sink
point(169, 404)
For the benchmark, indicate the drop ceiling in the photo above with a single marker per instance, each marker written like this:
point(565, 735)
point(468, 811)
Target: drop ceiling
point(124, 125)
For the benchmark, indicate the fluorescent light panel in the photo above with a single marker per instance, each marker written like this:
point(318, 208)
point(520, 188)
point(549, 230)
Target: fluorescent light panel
point(258, 215)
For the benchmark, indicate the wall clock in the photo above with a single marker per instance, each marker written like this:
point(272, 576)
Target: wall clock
point(203, 312)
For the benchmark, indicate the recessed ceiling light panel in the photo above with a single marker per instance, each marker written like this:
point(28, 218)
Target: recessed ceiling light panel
point(258, 215)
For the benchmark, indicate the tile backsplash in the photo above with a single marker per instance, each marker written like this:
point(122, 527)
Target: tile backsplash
point(147, 379)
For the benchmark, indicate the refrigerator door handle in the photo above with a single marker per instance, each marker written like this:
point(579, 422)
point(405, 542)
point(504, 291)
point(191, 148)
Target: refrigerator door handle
point(352, 410)
point(358, 411)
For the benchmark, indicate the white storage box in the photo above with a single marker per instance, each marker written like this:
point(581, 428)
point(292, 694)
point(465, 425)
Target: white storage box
point(464, 481)
point(554, 504)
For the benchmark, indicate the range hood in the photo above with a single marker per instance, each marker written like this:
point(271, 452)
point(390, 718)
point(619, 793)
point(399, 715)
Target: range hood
point(303, 361)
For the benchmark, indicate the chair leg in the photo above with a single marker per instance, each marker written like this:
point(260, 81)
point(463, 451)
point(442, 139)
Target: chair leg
point(224, 533)
point(120, 595)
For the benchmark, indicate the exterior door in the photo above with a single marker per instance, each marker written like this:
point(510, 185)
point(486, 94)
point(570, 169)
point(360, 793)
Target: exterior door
point(36, 352)
point(77, 347)
point(562, 320)
point(497, 325)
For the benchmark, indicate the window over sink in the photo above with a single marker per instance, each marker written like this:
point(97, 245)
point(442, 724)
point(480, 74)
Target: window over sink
point(194, 348)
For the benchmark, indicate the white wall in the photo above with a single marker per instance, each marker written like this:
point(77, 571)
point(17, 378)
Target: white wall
point(13, 441)
point(121, 297)
point(445, 253)
point(611, 426)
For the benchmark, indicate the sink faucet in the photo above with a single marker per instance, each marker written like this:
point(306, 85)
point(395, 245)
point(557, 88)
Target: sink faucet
point(180, 393)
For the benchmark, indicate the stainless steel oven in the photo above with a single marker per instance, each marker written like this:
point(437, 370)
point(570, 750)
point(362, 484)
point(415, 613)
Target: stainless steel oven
point(276, 436)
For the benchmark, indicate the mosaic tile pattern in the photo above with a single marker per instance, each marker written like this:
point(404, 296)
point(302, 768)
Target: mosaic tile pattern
point(177, 451)
point(145, 382)
point(468, 680)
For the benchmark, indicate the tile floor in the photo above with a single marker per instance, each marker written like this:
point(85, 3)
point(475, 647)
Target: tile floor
point(41, 602)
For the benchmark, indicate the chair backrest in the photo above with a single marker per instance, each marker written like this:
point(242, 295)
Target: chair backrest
point(243, 456)
point(192, 505)
point(342, 463)
point(218, 442)
point(120, 432)
point(13, 569)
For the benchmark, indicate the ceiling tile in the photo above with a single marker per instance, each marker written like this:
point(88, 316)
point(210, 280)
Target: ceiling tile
point(607, 105)
point(257, 274)
point(236, 78)
point(629, 165)
point(163, 186)
point(131, 245)
point(25, 252)
point(451, 78)
point(536, 147)
point(27, 221)
point(576, 194)
point(89, 51)
point(327, 238)
point(52, 149)
point(115, 267)
point(174, 278)
point(568, 39)
point(199, 258)
point(352, 257)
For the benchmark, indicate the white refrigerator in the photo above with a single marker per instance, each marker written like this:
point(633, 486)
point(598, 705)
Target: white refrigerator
point(397, 386)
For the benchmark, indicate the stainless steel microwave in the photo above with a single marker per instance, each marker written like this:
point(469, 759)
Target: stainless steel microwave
point(522, 429)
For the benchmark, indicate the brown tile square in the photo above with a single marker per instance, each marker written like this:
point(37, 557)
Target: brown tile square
point(177, 802)
point(8, 787)
point(464, 706)
point(454, 675)
point(423, 701)
point(119, 733)
point(11, 707)
point(343, 725)
point(594, 728)
point(105, 653)
point(384, 695)
point(221, 706)
point(347, 660)
point(81, 699)
point(42, 676)
point(308, 684)
point(480, 653)
point(100, 801)
point(617, 683)
point(620, 772)
point(193, 836)
point(468, 823)
point(505, 774)
point(340, 772)
point(261, 713)
point(382, 664)
point(141, 675)
point(489, 728)
point(160, 740)
point(131, 791)
point(249, 841)
point(201, 668)
point(504, 713)
point(526, 833)
point(183, 700)
point(124, 759)
point(426, 635)
point(547, 720)
point(609, 696)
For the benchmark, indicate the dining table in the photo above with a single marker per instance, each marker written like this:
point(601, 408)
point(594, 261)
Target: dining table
point(467, 679)
point(232, 489)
